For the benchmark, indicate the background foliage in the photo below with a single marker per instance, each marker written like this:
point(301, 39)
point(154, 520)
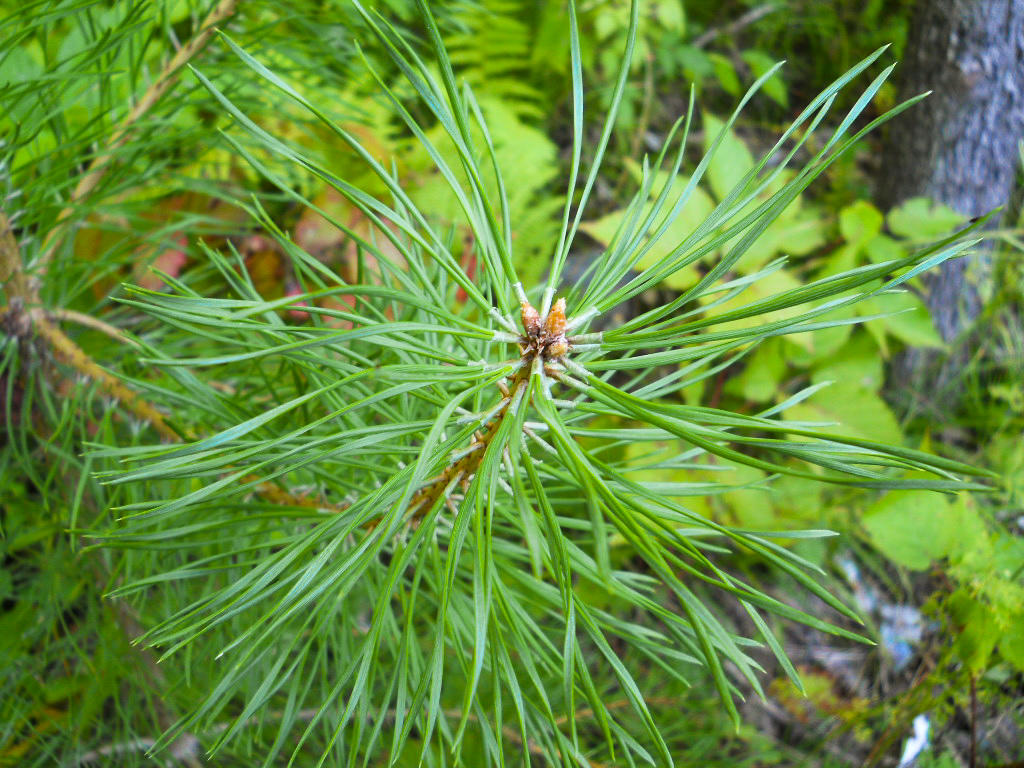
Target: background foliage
point(105, 187)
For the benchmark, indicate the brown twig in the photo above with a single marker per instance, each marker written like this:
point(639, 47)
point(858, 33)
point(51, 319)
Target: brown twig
point(23, 292)
point(748, 18)
point(543, 339)
point(98, 167)
point(65, 350)
point(21, 295)
point(466, 467)
point(68, 352)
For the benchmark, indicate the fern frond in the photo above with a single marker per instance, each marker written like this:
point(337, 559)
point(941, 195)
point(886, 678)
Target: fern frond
point(492, 51)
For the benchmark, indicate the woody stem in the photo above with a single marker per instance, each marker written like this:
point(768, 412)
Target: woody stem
point(467, 466)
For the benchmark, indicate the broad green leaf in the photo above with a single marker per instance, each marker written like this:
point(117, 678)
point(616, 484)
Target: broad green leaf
point(670, 14)
point(978, 629)
point(726, 73)
point(751, 508)
point(799, 500)
point(774, 88)
point(912, 528)
point(732, 161)
point(920, 219)
point(1011, 644)
point(806, 350)
point(883, 248)
point(763, 374)
point(860, 222)
point(849, 409)
point(968, 527)
point(858, 362)
point(909, 321)
point(796, 232)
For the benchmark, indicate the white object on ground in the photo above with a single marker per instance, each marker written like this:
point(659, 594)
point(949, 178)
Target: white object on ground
point(917, 742)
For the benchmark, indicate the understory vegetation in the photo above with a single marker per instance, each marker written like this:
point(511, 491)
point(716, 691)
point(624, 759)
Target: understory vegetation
point(490, 383)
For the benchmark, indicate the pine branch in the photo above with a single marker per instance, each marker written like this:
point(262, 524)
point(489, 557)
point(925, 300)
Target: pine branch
point(65, 350)
point(100, 164)
point(188, 749)
point(23, 300)
point(542, 340)
point(21, 293)
point(461, 586)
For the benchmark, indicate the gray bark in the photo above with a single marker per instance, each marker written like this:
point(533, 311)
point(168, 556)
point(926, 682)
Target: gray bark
point(958, 146)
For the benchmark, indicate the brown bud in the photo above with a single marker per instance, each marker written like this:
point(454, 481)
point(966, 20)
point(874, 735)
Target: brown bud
point(556, 319)
point(531, 319)
point(556, 349)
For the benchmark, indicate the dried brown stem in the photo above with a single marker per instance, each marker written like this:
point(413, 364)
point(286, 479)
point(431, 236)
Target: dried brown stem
point(65, 350)
point(19, 293)
point(466, 467)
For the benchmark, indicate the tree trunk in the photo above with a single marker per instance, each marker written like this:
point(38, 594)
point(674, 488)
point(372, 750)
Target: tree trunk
point(959, 147)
